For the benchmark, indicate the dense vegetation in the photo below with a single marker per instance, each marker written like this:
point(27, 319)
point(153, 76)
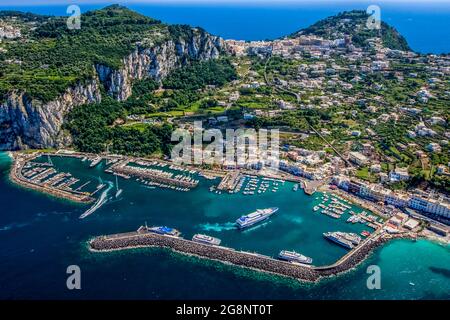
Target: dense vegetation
point(198, 75)
point(96, 127)
point(353, 23)
point(181, 88)
point(52, 57)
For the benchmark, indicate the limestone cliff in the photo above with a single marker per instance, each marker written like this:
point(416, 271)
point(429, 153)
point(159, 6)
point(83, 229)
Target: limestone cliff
point(157, 62)
point(29, 123)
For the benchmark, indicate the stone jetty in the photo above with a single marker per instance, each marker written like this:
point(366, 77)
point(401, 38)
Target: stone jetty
point(240, 258)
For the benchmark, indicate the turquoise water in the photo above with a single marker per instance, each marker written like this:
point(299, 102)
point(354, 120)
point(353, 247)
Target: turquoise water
point(41, 236)
point(425, 25)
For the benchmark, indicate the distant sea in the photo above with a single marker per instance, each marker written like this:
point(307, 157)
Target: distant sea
point(426, 26)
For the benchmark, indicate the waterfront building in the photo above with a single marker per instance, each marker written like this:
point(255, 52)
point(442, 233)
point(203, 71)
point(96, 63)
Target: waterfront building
point(399, 200)
point(439, 207)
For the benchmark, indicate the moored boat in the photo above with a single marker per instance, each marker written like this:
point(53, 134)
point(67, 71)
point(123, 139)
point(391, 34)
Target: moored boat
point(293, 256)
point(206, 239)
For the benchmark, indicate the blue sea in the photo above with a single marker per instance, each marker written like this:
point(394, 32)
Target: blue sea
point(425, 25)
point(41, 236)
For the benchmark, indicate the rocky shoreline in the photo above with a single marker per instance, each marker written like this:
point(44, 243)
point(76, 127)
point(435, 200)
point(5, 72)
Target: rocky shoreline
point(248, 260)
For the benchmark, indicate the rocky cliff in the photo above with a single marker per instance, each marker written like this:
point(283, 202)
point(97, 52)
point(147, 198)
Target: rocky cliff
point(157, 62)
point(28, 123)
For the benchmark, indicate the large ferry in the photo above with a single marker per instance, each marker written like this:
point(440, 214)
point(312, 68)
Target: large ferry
point(165, 231)
point(206, 239)
point(292, 256)
point(337, 237)
point(255, 217)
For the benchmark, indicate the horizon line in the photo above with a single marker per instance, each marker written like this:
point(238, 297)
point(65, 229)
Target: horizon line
point(25, 3)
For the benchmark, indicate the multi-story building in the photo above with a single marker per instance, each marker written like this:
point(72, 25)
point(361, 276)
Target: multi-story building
point(439, 207)
point(358, 158)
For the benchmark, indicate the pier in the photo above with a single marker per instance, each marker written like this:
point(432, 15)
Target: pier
point(249, 260)
point(153, 175)
point(229, 181)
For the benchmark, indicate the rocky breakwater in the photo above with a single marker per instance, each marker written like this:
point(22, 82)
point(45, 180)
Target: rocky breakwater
point(244, 259)
point(29, 123)
point(356, 256)
point(158, 61)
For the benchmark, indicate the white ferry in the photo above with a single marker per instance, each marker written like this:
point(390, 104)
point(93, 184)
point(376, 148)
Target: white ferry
point(255, 217)
point(206, 239)
point(293, 256)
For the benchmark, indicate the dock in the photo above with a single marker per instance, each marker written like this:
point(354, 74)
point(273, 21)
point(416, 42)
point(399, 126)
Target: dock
point(229, 181)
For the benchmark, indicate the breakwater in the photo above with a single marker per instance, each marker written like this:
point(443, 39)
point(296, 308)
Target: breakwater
point(240, 258)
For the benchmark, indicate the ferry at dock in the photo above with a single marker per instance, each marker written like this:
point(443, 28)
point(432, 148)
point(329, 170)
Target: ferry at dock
point(338, 238)
point(255, 217)
point(293, 256)
point(206, 239)
point(164, 231)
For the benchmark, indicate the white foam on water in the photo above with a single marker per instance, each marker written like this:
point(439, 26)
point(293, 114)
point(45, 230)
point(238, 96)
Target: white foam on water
point(218, 227)
point(100, 201)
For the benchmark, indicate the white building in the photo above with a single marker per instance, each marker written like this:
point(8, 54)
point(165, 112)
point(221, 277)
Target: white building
point(399, 174)
point(358, 158)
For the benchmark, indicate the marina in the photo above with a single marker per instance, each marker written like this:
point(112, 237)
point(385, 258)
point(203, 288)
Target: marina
point(108, 184)
point(296, 228)
point(44, 178)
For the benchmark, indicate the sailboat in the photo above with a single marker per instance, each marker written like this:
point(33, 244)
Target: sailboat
point(100, 183)
point(118, 191)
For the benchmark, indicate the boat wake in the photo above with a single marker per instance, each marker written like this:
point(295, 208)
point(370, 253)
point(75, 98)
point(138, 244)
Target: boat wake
point(13, 226)
point(256, 227)
point(296, 220)
point(218, 227)
point(100, 201)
